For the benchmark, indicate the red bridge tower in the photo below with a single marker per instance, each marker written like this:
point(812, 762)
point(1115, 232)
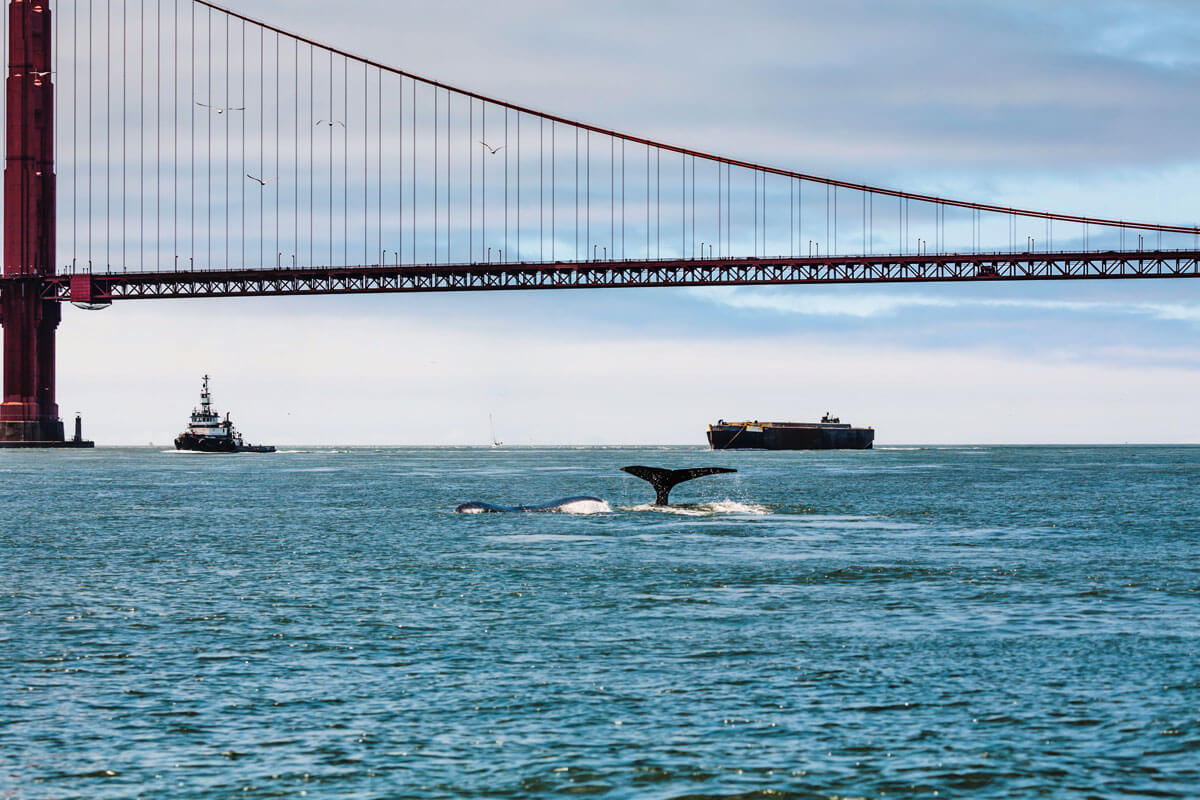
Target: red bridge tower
point(29, 413)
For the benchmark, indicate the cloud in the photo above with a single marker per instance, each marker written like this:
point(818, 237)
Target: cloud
point(329, 377)
point(865, 305)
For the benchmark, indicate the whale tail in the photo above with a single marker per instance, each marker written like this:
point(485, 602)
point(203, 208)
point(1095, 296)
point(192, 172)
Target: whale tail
point(664, 480)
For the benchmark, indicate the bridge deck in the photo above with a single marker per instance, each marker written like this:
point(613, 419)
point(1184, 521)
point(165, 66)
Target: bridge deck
point(110, 286)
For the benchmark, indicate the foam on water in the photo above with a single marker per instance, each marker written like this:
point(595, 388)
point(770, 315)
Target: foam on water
point(734, 507)
point(702, 509)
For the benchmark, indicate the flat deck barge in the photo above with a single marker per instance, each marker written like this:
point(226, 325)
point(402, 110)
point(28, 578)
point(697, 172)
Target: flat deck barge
point(828, 434)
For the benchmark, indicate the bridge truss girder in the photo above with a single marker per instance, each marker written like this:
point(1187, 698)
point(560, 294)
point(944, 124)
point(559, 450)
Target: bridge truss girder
point(104, 288)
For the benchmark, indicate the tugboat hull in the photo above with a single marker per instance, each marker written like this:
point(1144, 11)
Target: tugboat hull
point(197, 444)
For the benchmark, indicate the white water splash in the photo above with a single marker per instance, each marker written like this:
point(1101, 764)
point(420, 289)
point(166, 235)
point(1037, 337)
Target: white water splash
point(703, 509)
point(585, 507)
point(734, 507)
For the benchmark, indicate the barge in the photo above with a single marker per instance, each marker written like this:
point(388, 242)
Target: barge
point(828, 434)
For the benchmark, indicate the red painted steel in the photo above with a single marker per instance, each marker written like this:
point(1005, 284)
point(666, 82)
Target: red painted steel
point(29, 411)
point(374, 279)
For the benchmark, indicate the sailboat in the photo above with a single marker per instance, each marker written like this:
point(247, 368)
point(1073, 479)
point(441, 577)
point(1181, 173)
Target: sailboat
point(492, 427)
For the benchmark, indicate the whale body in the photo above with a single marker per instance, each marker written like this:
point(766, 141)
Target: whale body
point(579, 504)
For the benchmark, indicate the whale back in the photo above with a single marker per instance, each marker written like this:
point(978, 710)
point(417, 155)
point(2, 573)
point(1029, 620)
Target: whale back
point(561, 504)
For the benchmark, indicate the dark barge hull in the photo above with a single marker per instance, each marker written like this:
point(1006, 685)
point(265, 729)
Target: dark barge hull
point(789, 437)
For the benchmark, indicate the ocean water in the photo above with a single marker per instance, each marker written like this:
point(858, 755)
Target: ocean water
point(913, 622)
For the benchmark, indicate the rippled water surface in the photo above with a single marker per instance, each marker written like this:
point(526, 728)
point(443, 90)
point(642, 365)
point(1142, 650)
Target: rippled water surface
point(985, 622)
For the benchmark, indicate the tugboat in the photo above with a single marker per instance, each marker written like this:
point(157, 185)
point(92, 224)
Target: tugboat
point(208, 433)
point(828, 434)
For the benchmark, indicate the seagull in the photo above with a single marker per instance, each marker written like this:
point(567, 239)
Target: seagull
point(43, 74)
point(492, 150)
point(259, 180)
point(331, 122)
point(220, 109)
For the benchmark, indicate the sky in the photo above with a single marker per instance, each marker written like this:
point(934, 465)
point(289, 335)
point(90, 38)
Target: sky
point(1079, 107)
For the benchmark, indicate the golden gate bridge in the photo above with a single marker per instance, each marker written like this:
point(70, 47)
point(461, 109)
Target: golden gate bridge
point(191, 151)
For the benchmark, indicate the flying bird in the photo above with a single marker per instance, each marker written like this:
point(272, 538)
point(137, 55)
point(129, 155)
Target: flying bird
point(492, 150)
point(331, 122)
point(221, 109)
point(260, 181)
point(43, 74)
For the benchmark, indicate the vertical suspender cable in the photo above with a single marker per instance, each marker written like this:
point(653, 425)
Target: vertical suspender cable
point(74, 124)
point(208, 143)
point(108, 135)
point(483, 175)
point(504, 254)
point(277, 171)
point(413, 173)
point(312, 147)
point(192, 138)
point(91, 32)
point(800, 214)
point(175, 132)
point(296, 150)
point(553, 190)
point(366, 166)
point(518, 253)
point(330, 122)
point(588, 196)
point(262, 126)
point(470, 179)
point(229, 102)
point(577, 194)
point(541, 189)
point(791, 221)
point(141, 133)
point(379, 166)
point(345, 161)
point(435, 174)
point(400, 185)
point(242, 179)
point(158, 135)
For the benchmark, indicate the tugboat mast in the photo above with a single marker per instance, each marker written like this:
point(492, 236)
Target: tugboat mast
point(205, 398)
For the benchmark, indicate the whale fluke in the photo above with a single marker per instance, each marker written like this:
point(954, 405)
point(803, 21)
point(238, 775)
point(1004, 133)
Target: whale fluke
point(664, 480)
